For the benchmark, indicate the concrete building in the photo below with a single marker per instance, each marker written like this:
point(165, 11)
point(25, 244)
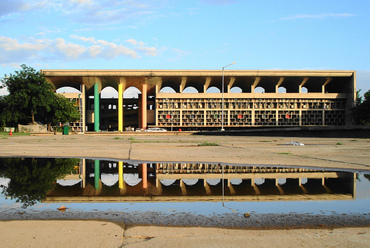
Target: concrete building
point(233, 100)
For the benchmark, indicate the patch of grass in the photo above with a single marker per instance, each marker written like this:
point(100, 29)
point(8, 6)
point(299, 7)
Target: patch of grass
point(285, 153)
point(265, 141)
point(206, 143)
point(131, 138)
point(148, 141)
point(14, 134)
point(118, 138)
point(338, 144)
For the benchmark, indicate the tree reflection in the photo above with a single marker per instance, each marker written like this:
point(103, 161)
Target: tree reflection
point(367, 176)
point(32, 178)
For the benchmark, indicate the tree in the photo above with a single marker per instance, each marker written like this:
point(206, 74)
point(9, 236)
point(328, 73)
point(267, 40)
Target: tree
point(32, 178)
point(63, 110)
point(32, 97)
point(362, 110)
point(29, 94)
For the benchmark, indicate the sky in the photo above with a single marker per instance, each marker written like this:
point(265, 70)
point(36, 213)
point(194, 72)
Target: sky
point(186, 34)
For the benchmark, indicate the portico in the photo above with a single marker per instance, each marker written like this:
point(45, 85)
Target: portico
point(262, 98)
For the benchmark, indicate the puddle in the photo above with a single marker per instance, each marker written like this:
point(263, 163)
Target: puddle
point(196, 194)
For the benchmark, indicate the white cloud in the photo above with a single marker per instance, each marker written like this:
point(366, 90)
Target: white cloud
point(94, 50)
point(44, 50)
point(86, 39)
point(132, 41)
point(106, 43)
point(68, 49)
point(151, 51)
point(9, 44)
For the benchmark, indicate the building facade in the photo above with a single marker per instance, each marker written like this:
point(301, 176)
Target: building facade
point(231, 100)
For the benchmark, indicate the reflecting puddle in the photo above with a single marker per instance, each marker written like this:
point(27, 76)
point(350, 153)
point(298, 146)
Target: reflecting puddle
point(180, 193)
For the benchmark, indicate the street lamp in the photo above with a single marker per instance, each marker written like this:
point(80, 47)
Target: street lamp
point(222, 121)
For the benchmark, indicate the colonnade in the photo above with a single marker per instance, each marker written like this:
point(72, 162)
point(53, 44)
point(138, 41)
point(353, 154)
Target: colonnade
point(142, 120)
point(320, 85)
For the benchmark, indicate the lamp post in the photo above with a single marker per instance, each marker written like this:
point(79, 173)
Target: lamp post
point(222, 114)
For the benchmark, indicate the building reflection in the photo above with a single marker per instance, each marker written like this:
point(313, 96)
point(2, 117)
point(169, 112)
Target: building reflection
point(101, 180)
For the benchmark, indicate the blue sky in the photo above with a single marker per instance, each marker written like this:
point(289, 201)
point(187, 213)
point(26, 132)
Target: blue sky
point(186, 34)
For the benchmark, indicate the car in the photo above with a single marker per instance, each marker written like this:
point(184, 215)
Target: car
point(155, 129)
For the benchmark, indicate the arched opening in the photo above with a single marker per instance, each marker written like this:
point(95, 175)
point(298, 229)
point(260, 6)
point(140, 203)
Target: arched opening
point(190, 89)
point(109, 92)
point(131, 92)
point(190, 182)
point(259, 90)
point(259, 181)
point(236, 181)
point(167, 182)
point(108, 109)
point(281, 181)
point(281, 89)
point(132, 179)
point(75, 96)
point(63, 182)
point(304, 90)
point(167, 89)
point(236, 90)
point(109, 179)
point(213, 89)
point(131, 107)
point(67, 89)
point(213, 182)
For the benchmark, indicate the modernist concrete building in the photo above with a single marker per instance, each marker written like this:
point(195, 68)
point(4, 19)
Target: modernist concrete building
point(266, 98)
point(109, 181)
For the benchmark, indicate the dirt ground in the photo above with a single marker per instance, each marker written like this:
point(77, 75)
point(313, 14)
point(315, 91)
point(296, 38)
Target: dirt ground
point(347, 153)
point(343, 153)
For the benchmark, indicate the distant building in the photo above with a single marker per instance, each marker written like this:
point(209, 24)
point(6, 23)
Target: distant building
point(267, 98)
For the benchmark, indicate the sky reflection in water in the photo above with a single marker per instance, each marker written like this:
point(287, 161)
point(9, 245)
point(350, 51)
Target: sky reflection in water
point(356, 202)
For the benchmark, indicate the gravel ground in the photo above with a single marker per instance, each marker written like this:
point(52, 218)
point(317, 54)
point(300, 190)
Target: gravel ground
point(228, 220)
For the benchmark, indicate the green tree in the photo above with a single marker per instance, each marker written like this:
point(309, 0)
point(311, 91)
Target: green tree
point(29, 94)
point(362, 110)
point(31, 178)
point(63, 110)
point(31, 97)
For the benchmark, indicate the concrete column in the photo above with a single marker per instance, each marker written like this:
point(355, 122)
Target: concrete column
point(303, 83)
point(120, 107)
point(83, 173)
point(206, 84)
point(83, 98)
point(183, 187)
point(158, 185)
point(145, 175)
point(326, 82)
point(96, 108)
point(230, 84)
point(231, 187)
point(281, 80)
point(255, 83)
point(97, 173)
point(144, 106)
point(120, 175)
point(183, 84)
point(206, 187)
